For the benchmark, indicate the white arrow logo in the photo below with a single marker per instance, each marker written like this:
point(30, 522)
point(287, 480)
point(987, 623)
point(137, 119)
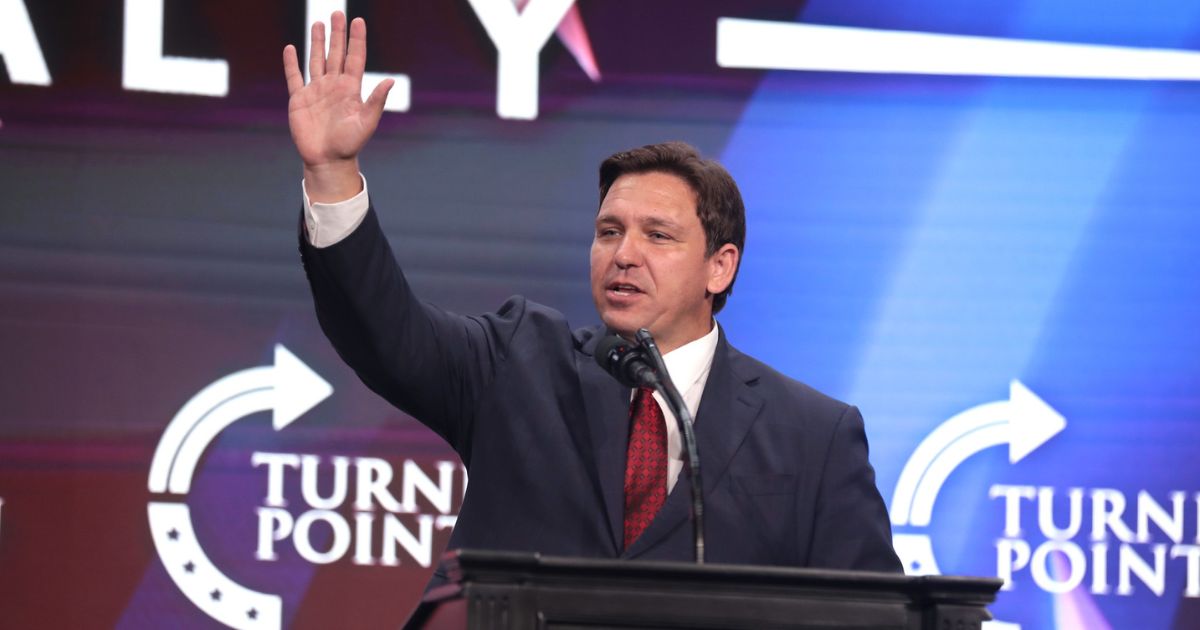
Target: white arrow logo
point(1024, 422)
point(288, 389)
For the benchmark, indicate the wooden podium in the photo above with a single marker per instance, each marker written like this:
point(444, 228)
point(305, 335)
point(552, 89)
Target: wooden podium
point(492, 590)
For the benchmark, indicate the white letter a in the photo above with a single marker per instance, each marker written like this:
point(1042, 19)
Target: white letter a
point(19, 45)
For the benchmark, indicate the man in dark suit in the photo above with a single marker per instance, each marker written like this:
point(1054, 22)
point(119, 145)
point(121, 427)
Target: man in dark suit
point(563, 459)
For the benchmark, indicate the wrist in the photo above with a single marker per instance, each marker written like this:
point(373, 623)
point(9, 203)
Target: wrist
point(332, 182)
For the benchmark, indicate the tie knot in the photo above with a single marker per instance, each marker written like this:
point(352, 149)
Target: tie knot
point(644, 403)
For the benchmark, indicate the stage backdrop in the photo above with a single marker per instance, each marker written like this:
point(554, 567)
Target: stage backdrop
point(977, 220)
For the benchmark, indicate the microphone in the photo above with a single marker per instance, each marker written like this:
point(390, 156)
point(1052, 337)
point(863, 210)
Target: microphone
point(625, 362)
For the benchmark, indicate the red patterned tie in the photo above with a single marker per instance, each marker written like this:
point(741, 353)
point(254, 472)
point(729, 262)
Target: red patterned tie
point(645, 464)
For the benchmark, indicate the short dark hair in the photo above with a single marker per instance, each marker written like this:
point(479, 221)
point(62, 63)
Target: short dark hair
point(718, 201)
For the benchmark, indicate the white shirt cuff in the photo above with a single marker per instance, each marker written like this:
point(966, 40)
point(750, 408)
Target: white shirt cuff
point(329, 223)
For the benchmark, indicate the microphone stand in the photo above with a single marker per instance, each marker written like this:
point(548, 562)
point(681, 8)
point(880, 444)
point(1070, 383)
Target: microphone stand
point(684, 418)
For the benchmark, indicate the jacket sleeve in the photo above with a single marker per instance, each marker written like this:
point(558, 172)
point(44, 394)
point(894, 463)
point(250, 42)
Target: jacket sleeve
point(852, 529)
point(429, 363)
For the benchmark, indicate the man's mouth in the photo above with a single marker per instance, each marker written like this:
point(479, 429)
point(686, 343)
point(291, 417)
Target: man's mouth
point(623, 289)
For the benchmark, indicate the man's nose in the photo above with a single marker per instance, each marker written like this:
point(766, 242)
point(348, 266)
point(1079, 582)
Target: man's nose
point(628, 253)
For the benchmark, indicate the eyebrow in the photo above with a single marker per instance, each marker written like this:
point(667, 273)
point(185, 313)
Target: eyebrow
point(653, 222)
point(650, 222)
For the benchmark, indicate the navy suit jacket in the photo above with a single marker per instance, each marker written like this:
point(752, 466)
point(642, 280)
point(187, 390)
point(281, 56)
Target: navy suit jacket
point(543, 430)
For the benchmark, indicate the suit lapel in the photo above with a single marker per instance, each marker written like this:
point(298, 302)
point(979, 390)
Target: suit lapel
point(607, 408)
point(727, 410)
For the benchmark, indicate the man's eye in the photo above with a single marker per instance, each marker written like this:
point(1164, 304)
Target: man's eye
point(659, 236)
point(606, 232)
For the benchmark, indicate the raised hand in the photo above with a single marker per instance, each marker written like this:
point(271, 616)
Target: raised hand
point(330, 122)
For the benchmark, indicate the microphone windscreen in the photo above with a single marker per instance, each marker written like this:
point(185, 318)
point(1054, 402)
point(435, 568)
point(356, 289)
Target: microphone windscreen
point(608, 356)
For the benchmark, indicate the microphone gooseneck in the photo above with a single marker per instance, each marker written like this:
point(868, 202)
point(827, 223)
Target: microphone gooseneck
point(642, 365)
point(684, 419)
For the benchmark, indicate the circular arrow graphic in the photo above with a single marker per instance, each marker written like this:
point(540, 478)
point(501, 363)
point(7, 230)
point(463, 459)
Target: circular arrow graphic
point(288, 389)
point(1024, 422)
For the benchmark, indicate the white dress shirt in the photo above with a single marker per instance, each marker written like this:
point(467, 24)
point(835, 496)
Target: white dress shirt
point(688, 365)
point(328, 223)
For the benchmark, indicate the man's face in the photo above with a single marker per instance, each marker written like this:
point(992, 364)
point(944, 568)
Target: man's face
point(649, 268)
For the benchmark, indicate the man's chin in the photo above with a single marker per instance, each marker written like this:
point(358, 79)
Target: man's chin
point(624, 326)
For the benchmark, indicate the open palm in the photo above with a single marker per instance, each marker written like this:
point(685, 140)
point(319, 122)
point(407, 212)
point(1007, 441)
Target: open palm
point(330, 122)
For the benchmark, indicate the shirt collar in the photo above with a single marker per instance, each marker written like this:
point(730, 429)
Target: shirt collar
point(690, 362)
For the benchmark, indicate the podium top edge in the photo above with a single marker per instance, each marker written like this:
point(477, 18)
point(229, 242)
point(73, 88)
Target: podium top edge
point(477, 564)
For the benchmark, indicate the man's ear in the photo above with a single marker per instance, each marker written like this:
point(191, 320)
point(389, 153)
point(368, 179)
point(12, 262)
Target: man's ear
point(722, 266)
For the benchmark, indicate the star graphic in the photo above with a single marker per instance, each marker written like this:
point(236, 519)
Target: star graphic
point(215, 595)
point(173, 534)
point(190, 567)
point(252, 613)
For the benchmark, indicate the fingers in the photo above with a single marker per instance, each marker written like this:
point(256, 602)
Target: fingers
point(316, 51)
point(337, 43)
point(378, 97)
point(291, 69)
point(356, 55)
